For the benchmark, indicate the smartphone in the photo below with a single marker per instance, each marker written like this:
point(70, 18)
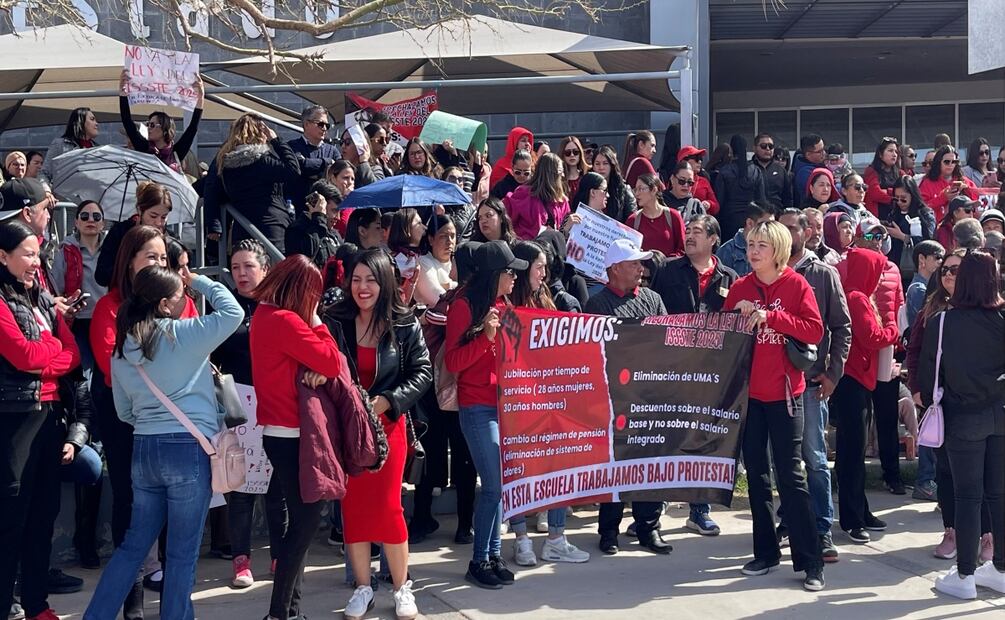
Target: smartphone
point(79, 302)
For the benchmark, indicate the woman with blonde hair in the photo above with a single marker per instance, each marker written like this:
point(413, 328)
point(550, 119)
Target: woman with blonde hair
point(542, 202)
point(16, 164)
point(250, 173)
point(780, 304)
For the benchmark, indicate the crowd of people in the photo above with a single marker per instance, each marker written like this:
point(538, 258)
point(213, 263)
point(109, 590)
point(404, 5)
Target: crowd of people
point(891, 272)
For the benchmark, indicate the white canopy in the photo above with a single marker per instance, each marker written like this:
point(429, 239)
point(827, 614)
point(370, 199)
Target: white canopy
point(67, 58)
point(483, 47)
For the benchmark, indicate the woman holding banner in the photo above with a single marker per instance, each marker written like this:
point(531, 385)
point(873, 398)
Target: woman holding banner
point(774, 410)
point(159, 140)
point(472, 326)
point(531, 291)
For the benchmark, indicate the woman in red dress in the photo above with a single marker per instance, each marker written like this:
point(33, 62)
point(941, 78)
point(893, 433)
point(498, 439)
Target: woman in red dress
point(387, 354)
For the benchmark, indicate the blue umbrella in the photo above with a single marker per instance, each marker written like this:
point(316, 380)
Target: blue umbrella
point(405, 190)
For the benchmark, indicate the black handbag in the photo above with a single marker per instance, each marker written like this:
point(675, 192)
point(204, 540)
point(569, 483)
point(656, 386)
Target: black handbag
point(415, 460)
point(226, 394)
point(802, 355)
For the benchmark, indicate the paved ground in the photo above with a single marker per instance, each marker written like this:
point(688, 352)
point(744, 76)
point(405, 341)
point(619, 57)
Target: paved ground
point(890, 578)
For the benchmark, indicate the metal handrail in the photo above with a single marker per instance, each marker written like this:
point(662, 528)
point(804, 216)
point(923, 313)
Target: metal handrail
point(229, 210)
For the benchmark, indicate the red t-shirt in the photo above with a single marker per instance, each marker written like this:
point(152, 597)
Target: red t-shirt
point(659, 234)
point(704, 277)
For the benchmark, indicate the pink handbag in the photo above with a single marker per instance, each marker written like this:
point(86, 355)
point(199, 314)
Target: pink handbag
point(933, 427)
point(226, 456)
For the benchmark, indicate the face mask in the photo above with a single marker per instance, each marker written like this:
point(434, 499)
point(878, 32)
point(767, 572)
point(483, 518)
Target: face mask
point(887, 245)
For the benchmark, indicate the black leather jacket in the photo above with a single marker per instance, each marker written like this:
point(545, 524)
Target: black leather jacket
point(75, 396)
point(404, 371)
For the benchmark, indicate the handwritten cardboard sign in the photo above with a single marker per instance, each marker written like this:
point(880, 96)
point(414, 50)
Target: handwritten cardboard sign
point(590, 239)
point(249, 435)
point(162, 77)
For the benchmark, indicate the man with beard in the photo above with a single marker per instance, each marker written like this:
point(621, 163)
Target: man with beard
point(814, 237)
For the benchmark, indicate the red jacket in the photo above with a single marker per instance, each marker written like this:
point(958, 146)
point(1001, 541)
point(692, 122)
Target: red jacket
point(340, 436)
point(876, 196)
point(55, 353)
point(280, 343)
point(868, 335)
point(792, 311)
point(473, 362)
point(932, 194)
point(890, 292)
point(102, 333)
point(703, 191)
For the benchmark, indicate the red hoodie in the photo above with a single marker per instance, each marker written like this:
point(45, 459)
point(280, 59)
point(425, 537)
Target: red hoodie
point(504, 166)
point(868, 336)
point(792, 311)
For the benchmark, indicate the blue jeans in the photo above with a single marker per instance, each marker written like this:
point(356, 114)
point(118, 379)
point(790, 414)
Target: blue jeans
point(926, 465)
point(480, 426)
point(85, 468)
point(556, 522)
point(818, 474)
point(172, 483)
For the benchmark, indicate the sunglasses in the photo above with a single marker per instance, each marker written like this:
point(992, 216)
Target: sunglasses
point(926, 164)
point(911, 156)
point(903, 201)
point(949, 270)
point(767, 146)
point(874, 236)
point(984, 152)
point(153, 125)
point(322, 124)
point(455, 179)
point(859, 186)
point(687, 182)
point(521, 173)
point(966, 209)
point(950, 162)
point(87, 215)
point(572, 152)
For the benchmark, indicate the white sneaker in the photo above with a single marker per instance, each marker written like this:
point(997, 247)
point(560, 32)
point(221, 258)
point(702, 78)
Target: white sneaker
point(504, 528)
point(542, 522)
point(360, 603)
point(561, 550)
point(523, 552)
point(954, 584)
point(404, 602)
point(987, 576)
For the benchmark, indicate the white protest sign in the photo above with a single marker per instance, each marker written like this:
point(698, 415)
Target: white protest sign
point(161, 77)
point(249, 435)
point(590, 239)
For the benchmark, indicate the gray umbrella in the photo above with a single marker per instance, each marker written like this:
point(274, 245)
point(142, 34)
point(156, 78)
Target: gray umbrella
point(110, 174)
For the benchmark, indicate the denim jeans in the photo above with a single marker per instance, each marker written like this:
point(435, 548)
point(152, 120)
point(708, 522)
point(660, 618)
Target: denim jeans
point(171, 483)
point(926, 465)
point(818, 475)
point(556, 522)
point(480, 425)
point(85, 468)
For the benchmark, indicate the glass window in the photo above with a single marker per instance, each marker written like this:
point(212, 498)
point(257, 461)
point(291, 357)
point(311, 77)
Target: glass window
point(730, 123)
point(924, 122)
point(830, 124)
point(981, 120)
point(781, 124)
point(870, 126)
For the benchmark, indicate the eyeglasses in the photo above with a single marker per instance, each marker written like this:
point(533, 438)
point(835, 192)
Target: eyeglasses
point(902, 200)
point(984, 152)
point(521, 173)
point(680, 181)
point(153, 125)
point(950, 162)
point(644, 188)
point(949, 270)
point(87, 215)
point(572, 152)
point(859, 186)
point(455, 179)
point(322, 124)
point(870, 236)
point(911, 156)
point(926, 164)
point(767, 146)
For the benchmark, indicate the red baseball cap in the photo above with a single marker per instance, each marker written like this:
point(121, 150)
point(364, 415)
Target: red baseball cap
point(690, 151)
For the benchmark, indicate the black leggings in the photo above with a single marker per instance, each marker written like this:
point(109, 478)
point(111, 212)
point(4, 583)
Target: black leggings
point(445, 430)
point(849, 405)
point(240, 510)
point(979, 478)
point(304, 520)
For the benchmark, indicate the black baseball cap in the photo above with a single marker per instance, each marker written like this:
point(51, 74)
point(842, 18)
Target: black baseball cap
point(18, 194)
point(464, 258)
point(496, 256)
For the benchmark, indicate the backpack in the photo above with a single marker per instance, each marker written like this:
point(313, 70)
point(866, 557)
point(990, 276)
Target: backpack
point(637, 222)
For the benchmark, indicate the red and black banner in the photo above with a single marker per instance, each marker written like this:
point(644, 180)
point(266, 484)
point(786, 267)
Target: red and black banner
point(595, 408)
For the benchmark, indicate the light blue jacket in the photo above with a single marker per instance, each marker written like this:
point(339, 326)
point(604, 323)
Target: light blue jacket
point(180, 368)
point(733, 254)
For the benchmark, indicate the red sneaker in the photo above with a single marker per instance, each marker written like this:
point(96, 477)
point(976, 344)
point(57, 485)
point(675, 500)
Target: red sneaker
point(242, 572)
point(48, 614)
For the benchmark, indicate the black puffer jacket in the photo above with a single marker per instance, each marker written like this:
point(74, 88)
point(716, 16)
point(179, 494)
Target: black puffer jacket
point(20, 391)
point(309, 235)
point(404, 371)
point(737, 185)
point(253, 180)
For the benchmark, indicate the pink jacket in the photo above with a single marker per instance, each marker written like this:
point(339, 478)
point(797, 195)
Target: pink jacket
point(530, 215)
point(340, 436)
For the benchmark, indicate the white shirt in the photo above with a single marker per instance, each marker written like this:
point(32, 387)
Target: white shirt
point(434, 280)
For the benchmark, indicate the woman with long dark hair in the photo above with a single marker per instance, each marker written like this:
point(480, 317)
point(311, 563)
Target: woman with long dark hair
point(155, 345)
point(287, 333)
point(403, 242)
point(913, 221)
point(153, 207)
point(418, 160)
point(363, 229)
point(542, 202)
point(945, 181)
point(573, 162)
point(472, 327)
point(493, 222)
point(966, 353)
point(739, 183)
point(36, 349)
point(436, 266)
point(80, 133)
point(531, 291)
point(160, 139)
point(880, 177)
point(378, 145)
point(979, 168)
point(620, 199)
point(383, 344)
point(342, 174)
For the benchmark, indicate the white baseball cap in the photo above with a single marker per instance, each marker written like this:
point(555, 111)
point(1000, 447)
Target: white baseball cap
point(624, 250)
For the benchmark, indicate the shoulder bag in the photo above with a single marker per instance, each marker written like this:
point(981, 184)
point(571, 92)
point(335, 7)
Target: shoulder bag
point(933, 426)
point(802, 355)
point(415, 457)
point(226, 456)
point(226, 394)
